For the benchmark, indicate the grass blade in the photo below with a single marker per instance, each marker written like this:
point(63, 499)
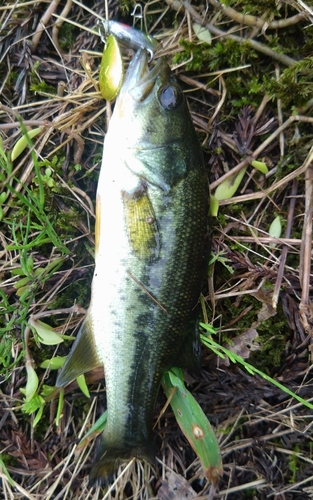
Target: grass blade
point(194, 424)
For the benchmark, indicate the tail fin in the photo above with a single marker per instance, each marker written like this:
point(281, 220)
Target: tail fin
point(109, 458)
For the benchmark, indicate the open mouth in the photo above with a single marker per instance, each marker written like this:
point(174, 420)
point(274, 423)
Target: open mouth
point(139, 78)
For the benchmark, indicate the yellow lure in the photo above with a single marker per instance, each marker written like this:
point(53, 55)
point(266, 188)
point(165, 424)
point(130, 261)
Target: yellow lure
point(111, 69)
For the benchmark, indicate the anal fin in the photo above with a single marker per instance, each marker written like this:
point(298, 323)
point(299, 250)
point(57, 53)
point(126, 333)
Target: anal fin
point(83, 356)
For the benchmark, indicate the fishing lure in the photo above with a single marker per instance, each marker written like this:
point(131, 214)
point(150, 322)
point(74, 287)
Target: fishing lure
point(112, 70)
point(131, 38)
point(112, 66)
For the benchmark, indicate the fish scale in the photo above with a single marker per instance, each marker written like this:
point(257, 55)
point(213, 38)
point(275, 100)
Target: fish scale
point(151, 257)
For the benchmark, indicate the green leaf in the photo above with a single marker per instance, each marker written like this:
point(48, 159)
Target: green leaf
point(202, 33)
point(53, 363)
point(81, 381)
point(30, 264)
point(275, 228)
point(223, 260)
point(22, 143)
point(55, 263)
point(214, 206)
point(33, 404)
point(228, 188)
point(47, 335)
point(260, 165)
point(60, 407)
point(18, 271)
point(3, 467)
point(22, 282)
point(32, 382)
point(23, 292)
point(38, 415)
point(194, 424)
point(46, 390)
point(39, 272)
point(96, 429)
point(176, 378)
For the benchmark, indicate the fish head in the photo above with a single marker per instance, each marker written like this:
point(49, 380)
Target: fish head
point(151, 125)
point(151, 108)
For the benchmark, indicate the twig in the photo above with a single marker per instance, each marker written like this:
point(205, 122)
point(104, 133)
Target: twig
point(305, 7)
point(80, 144)
point(256, 21)
point(280, 116)
point(260, 109)
point(75, 309)
point(262, 194)
point(199, 85)
point(220, 102)
point(43, 23)
point(285, 248)
point(306, 248)
point(57, 25)
point(13, 6)
point(253, 156)
point(234, 489)
point(35, 123)
point(270, 239)
point(260, 47)
point(92, 12)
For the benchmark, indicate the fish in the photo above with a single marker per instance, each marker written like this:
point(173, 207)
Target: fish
point(151, 256)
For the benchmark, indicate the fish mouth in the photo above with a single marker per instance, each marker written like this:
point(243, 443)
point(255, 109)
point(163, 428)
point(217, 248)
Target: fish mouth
point(139, 79)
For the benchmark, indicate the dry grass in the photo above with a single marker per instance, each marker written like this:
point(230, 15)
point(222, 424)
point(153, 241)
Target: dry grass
point(265, 438)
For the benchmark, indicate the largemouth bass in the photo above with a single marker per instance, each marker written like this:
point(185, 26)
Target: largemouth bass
point(151, 255)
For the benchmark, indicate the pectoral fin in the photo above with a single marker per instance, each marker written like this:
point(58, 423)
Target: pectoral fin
point(83, 356)
point(143, 233)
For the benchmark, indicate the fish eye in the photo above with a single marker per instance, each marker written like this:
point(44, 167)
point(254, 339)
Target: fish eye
point(170, 97)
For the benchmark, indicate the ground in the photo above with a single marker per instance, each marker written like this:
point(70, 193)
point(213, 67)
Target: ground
point(246, 69)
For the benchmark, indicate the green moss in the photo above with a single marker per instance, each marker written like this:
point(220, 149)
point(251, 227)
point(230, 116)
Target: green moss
point(37, 84)
point(295, 85)
point(43, 87)
point(273, 333)
point(249, 494)
point(273, 337)
point(8, 460)
point(126, 6)
point(218, 56)
point(77, 292)
point(67, 36)
point(293, 464)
